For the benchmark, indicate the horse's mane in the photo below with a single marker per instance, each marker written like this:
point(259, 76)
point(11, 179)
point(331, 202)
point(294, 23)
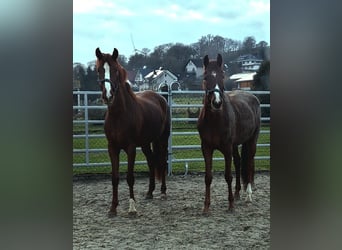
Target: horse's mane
point(123, 80)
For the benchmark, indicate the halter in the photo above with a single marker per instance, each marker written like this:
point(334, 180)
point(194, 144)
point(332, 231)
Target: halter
point(115, 88)
point(209, 91)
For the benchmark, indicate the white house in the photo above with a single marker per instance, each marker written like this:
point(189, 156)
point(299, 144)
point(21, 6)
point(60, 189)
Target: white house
point(194, 66)
point(159, 78)
point(243, 81)
point(248, 63)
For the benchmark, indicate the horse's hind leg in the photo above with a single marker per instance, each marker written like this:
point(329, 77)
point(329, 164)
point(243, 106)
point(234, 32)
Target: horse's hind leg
point(247, 162)
point(131, 152)
point(160, 150)
point(150, 161)
point(228, 176)
point(237, 161)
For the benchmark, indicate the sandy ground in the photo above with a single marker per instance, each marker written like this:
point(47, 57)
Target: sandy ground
point(174, 223)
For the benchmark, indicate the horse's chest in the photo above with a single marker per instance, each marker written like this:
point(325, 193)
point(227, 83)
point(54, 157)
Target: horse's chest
point(117, 133)
point(214, 134)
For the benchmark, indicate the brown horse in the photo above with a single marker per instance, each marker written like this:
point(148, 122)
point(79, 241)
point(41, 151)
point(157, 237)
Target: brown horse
point(133, 120)
point(226, 121)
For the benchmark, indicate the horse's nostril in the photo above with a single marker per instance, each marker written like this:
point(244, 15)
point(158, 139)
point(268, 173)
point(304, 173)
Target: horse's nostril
point(216, 105)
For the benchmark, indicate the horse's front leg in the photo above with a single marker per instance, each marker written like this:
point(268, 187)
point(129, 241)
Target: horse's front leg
point(228, 176)
point(114, 157)
point(208, 158)
point(131, 152)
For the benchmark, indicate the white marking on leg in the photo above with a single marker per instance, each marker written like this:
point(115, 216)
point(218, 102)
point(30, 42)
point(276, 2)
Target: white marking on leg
point(132, 206)
point(249, 192)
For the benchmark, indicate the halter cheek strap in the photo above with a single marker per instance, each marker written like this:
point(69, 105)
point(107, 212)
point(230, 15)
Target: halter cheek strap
point(115, 87)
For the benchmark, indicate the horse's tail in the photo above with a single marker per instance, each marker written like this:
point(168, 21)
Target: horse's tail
point(160, 153)
point(248, 151)
point(160, 149)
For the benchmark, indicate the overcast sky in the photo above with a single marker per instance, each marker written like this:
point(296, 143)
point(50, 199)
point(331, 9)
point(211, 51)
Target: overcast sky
point(112, 23)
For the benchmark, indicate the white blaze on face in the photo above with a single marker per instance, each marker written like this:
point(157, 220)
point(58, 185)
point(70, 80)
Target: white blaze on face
point(106, 68)
point(217, 94)
point(107, 86)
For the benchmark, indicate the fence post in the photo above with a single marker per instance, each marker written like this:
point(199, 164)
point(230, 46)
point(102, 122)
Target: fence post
point(169, 157)
point(86, 128)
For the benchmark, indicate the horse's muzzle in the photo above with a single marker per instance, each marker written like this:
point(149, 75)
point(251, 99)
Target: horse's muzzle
point(216, 105)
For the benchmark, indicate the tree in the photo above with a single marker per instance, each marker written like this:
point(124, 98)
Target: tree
point(136, 61)
point(248, 44)
point(123, 61)
point(177, 56)
point(263, 50)
point(217, 45)
point(91, 81)
point(79, 75)
point(262, 44)
point(262, 77)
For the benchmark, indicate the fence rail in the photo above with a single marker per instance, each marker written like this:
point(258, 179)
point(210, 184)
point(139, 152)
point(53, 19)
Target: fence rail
point(89, 114)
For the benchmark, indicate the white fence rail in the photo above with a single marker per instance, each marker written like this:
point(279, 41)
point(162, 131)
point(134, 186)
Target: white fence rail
point(178, 100)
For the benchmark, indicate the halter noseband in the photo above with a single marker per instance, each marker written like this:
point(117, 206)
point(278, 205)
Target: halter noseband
point(209, 91)
point(115, 87)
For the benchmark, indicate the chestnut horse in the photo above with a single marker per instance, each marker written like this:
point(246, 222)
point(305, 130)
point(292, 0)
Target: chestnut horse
point(133, 120)
point(226, 121)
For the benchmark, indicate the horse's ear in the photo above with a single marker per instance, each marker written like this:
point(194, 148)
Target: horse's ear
point(206, 61)
point(98, 53)
point(219, 60)
point(115, 54)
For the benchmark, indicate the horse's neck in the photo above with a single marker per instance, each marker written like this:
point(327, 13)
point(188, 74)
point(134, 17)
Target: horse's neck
point(123, 101)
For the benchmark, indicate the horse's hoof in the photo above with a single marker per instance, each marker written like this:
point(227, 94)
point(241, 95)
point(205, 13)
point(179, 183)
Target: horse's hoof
point(163, 197)
point(132, 213)
point(205, 212)
point(231, 210)
point(149, 196)
point(111, 213)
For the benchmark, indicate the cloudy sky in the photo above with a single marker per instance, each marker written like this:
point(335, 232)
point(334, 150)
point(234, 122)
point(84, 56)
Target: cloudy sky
point(115, 23)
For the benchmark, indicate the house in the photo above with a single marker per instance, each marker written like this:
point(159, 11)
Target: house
point(248, 63)
point(195, 67)
point(156, 79)
point(243, 81)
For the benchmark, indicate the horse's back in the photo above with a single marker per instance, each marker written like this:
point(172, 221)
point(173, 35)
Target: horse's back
point(153, 102)
point(247, 114)
point(155, 112)
point(152, 97)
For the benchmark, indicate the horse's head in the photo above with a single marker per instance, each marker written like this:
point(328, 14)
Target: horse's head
point(213, 82)
point(110, 86)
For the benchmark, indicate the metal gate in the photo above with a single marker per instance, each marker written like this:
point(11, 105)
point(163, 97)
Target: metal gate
point(184, 143)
